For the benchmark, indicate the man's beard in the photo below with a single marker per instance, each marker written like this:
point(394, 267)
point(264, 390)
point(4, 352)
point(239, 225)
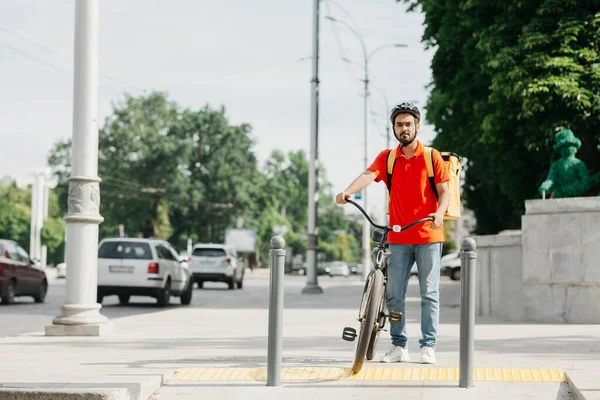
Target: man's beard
point(406, 142)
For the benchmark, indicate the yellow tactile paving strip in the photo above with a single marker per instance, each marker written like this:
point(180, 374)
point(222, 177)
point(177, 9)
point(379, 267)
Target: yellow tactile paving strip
point(370, 374)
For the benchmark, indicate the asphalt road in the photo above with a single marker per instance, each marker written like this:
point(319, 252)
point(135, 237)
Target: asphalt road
point(25, 316)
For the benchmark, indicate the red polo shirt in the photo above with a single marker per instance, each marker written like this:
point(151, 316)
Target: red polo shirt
point(412, 197)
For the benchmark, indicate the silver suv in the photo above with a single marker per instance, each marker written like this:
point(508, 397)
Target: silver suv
point(216, 263)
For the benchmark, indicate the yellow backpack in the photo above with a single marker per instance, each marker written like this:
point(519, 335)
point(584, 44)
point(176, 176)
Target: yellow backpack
point(452, 161)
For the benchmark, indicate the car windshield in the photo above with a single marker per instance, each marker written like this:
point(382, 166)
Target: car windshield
point(125, 250)
point(209, 252)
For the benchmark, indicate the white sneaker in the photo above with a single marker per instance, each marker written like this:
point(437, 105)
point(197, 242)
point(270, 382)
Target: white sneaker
point(396, 354)
point(427, 355)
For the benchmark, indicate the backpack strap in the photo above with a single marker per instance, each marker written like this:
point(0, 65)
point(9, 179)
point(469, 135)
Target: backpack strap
point(391, 163)
point(430, 173)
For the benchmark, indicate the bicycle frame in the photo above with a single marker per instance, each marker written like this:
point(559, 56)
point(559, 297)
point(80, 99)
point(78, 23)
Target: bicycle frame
point(381, 255)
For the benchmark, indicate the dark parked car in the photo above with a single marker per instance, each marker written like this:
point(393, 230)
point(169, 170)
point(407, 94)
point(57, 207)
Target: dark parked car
point(19, 276)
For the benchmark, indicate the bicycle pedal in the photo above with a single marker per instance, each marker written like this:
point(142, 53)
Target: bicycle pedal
point(349, 334)
point(395, 317)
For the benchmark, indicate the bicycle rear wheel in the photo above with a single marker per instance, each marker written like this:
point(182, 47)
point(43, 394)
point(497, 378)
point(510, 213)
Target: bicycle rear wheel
point(369, 319)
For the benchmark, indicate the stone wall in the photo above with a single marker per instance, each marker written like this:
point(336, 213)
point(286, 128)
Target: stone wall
point(498, 275)
point(548, 272)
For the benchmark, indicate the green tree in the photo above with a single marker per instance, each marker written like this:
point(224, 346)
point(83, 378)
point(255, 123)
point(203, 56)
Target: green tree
point(177, 173)
point(53, 231)
point(15, 221)
point(15, 214)
point(283, 199)
point(167, 171)
point(505, 77)
point(53, 237)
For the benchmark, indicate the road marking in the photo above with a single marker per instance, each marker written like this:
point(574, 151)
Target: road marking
point(371, 374)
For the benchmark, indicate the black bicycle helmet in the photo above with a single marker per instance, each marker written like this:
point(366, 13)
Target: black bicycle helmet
point(406, 107)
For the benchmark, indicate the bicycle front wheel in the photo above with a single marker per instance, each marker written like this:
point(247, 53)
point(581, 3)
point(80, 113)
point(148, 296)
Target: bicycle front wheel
point(369, 319)
point(375, 334)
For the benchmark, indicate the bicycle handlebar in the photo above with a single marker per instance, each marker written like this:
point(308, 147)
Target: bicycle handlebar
point(395, 228)
point(387, 228)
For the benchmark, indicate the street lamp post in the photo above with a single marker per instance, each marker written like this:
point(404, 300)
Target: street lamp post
point(312, 286)
point(366, 237)
point(80, 315)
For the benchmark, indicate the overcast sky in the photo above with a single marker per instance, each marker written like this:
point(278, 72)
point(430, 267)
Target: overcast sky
point(249, 56)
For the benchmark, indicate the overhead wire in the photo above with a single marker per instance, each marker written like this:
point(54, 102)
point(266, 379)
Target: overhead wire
point(243, 71)
point(42, 47)
point(340, 46)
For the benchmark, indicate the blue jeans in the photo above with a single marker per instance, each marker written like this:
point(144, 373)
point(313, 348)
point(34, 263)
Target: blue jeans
point(401, 260)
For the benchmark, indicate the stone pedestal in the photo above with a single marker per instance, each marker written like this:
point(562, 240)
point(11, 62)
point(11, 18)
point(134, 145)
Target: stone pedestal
point(80, 330)
point(561, 260)
point(547, 272)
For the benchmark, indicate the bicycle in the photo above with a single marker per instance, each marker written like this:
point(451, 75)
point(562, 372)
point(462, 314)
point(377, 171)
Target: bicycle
point(372, 311)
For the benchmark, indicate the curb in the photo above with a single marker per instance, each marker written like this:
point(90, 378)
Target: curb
point(576, 391)
point(50, 394)
point(85, 391)
point(126, 391)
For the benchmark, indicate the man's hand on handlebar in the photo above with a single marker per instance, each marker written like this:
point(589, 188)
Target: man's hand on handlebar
point(438, 220)
point(341, 197)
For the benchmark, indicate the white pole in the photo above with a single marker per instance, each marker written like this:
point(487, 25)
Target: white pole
point(366, 236)
point(39, 212)
point(80, 315)
point(44, 257)
point(46, 200)
point(34, 208)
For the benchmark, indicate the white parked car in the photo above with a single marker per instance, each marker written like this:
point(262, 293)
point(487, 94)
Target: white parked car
point(142, 267)
point(216, 263)
point(61, 270)
point(339, 268)
point(450, 265)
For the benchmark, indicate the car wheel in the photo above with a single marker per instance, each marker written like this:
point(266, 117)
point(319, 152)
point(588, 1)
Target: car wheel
point(200, 284)
point(165, 295)
point(124, 299)
point(10, 293)
point(455, 275)
point(240, 284)
point(231, 284)
point(99, 298)
point(39, 298)
point(186, 297)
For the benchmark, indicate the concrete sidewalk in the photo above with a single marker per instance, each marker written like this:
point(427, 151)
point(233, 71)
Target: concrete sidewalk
point(228, 329)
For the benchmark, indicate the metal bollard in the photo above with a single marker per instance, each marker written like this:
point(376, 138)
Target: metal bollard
point(468, 258)
point(277, 266)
